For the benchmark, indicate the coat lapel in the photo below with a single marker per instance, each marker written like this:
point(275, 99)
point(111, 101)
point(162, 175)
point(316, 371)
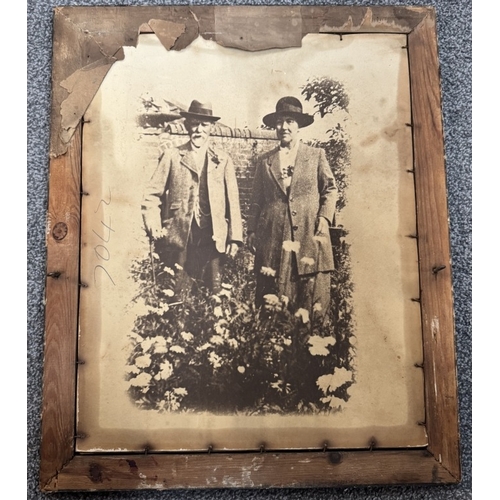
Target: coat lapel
point(187, 158)
point(275, 169)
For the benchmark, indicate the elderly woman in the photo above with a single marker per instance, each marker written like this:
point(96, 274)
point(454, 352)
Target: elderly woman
point(293, 205)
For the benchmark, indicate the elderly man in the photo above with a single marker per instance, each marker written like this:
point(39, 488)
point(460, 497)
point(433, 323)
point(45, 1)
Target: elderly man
point(191, 205)
point(293, 205)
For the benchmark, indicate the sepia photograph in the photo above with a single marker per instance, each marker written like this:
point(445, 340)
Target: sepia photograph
point(248, 249)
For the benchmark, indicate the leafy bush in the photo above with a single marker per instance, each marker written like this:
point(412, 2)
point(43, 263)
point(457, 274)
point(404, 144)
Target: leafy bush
point(219, 353)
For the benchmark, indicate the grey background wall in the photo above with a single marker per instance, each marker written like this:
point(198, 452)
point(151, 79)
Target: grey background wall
point(455, 52)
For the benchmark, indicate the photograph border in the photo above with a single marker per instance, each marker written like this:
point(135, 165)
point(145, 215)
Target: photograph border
point(63, 469)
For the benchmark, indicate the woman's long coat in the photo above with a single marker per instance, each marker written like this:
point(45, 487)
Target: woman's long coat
point(278, 218)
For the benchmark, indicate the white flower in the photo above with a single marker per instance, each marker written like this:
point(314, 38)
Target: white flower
point(233, 343)
point(278, 348)
point(319, 345)
point(287, 341)
point(187, 336)
point(267, 271)
point(328, 383)
point(307, 261)
point(221, 330)
point(291, 246)
point(168, 292)
point(133, 369)
point(317, 307)
point(303, 314)
point(334, 402)
point(241, 369)
point(178, 349)
point(169, 270)
point(204, 347)
point(216, 299)
point(271, 299)
point(215, 360)
point(178, 267)
point(217, 339)
point(166, 369)
point(226, 286)
point(163, 308)
point(142, 380)
point(180, 391)
point(143, 361)
point(225, 293)
point(218, 311)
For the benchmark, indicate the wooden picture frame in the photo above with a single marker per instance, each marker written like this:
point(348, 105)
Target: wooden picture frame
point(86, 31)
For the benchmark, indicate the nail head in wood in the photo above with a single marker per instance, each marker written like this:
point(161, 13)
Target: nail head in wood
point(210, 449)
point(54, 274)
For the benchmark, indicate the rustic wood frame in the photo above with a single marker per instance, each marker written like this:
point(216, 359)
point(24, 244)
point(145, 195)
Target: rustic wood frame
point(439, 462)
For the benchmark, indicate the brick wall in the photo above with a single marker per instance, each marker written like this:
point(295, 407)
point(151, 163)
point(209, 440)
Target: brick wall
point(243, 145)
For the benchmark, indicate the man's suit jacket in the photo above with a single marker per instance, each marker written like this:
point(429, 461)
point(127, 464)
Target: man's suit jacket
point(169, 197)
point(276, 216)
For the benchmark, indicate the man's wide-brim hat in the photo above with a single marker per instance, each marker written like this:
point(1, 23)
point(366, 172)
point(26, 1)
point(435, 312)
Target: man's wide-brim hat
point(289, 106)
point(200, 111)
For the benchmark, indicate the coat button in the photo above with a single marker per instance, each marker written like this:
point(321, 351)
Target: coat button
point(295, 228)
point(291, 198)
point(294, 212)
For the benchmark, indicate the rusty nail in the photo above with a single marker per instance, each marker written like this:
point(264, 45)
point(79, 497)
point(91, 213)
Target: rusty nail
point(262, 448)
point(80, 436)
point(78, 362)
point(325, 446)
point(210, 449)
point(418, 365)
point(415, 299)
point(410, 171)
point(54, 275)
point(421, 423)
point(83, 285)
point(412, 236)
point(84, 193)
point(147, 449)
point(436, 269)
point(372, 443)
point(409, 124)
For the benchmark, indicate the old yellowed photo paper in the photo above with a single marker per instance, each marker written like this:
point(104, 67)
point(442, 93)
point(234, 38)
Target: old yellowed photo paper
point(248, 250)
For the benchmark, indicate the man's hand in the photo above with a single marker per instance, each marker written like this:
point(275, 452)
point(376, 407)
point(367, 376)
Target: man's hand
point(232, 249)
point(251, 242)
point(157, 233)
point(322, 227)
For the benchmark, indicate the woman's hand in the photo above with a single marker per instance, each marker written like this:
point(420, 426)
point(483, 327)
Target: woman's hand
point(251, 242)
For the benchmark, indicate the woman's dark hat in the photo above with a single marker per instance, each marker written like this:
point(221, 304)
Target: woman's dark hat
point(289, 106)
point(200, 111)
